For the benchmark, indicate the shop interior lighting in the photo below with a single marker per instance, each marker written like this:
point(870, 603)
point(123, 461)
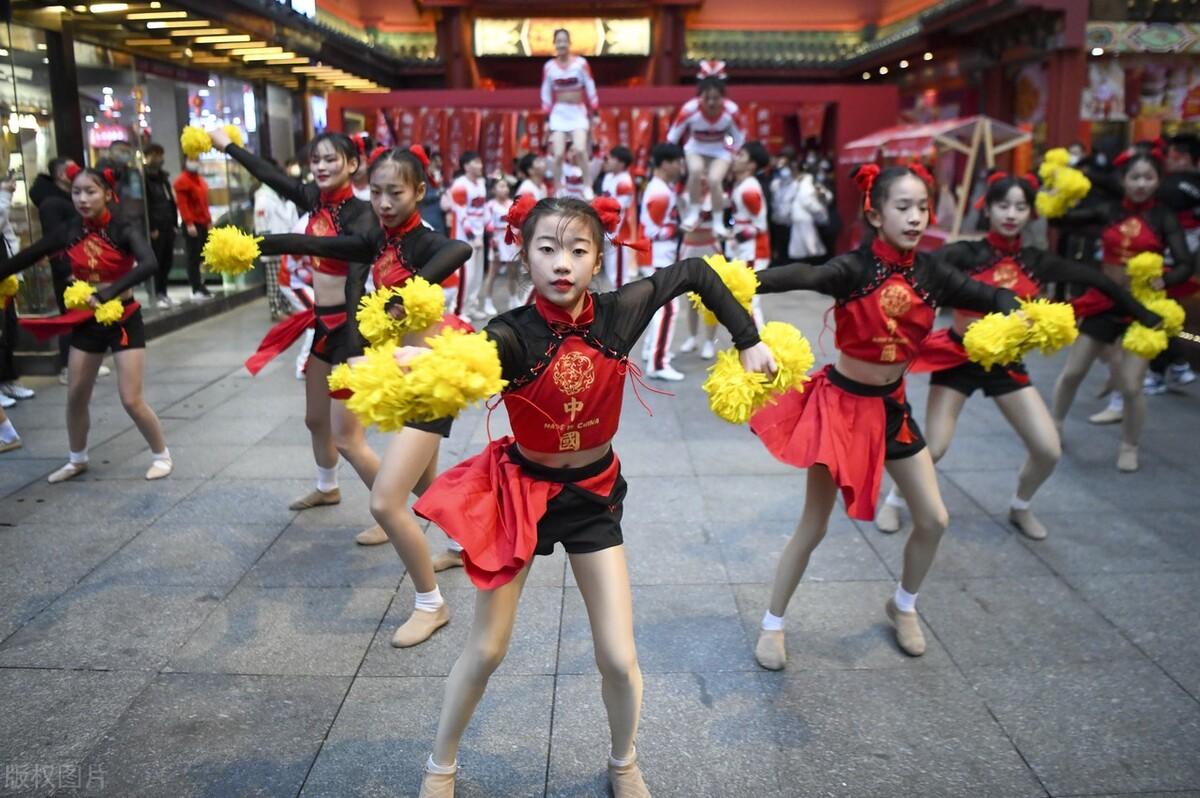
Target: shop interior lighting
point(147, 15)
point(866, 76)
point(106, 90)
point(247, 45)
point(268, 56)
point(1097, 51)
point(79, 9)
point(251, 50)
point(41, 45)
point(108, 8)
point(904, 64)
point(198, 32)
point(187, 51)
point(212, 83)
point(223, 39)
point(289, 61)
point(169, 24)
point(148, 42)
point(883, 70)
point(3, 53)
point(928, 56)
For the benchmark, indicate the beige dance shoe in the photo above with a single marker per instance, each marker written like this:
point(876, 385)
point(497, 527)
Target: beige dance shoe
point(372, 536)
point(1027, 523)
point(887, 518)
point(909, 636)
point(420, 626)
point(437, 785)
point(69, 471)
point(446, 560)
point(317, 498)
point(626, 780)
point(1107, 416)
point(160, 468)
point(1127, 458)
point(771, 652)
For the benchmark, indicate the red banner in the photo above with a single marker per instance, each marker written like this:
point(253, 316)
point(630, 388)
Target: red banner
point(764, 123)
point(641, 137)
point(497, 139)
point(812, 120)
point(383, 131)
point(428, 128)
point(535, 132)
point(404, 124)
point(461, 133)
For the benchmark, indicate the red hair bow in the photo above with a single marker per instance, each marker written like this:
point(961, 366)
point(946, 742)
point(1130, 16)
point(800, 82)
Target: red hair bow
point(1155, 152)
point(360, 142)
point(712, 68)
point(73, 170)
point(516, 216)
point(864, 178)
point(375, 154)
point(422, 156)
point(918, 169)
point(609, 211)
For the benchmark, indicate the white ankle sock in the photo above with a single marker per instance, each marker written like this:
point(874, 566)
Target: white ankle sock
point(164, 455)
point(772, 623)
point(1116, 402)
point(327, 479)
point(894, 499)
point(453, 545)
point(78, 458)
point(431, 601)
point(905, 601)
point(441, 770)
point(8, 433)
point(620, 763)
point(1018, 503)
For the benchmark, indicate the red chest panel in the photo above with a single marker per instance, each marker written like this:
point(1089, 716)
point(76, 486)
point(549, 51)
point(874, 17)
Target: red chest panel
point(885, 326)
point(1126, 238)
point(94, 260)
point(389, 269)
point(320, 223)
point(573, 404)
point(1005, 273)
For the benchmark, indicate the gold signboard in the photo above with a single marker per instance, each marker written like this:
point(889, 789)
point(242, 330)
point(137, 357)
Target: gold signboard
point(590, 36)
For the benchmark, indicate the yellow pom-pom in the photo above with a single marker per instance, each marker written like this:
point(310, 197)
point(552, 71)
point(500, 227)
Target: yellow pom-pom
point(735, 394)
point(374, 322)
point(1058, 156)
point(235, 135)
point(424, 304)
point(194, 141)
point(339, 378)
point(1062, 189)
point(76, 295)
point(230, 251)
point(738, 278)
point(1173, 315)
point(9, 286)
point(110, 312)
point(997, 338)
point(1053, 325)
point(1143, 268)
point(1144, 342)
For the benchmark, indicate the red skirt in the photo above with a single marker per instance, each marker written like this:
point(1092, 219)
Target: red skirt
point(846, 426)
point(1092, 302)
point(491, 505)
point(941, 350)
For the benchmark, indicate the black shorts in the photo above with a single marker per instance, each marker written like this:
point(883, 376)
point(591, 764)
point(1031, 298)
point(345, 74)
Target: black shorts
point(970, 377)
point(897, 413)
point(1107, 327)
point(439, 426)
point(328, 344)
point(96, 338)
point(581, 521)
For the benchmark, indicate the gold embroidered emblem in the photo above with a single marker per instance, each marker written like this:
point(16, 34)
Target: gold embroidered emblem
point(93, 251)
point(1005, 275)
point(895, 300)
point(574, 373)
point(1129, 229)
point(569, 441)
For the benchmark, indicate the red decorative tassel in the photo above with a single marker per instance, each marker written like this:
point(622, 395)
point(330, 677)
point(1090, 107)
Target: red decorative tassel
point(905, 434)
point(124, 336)
point(341, 393)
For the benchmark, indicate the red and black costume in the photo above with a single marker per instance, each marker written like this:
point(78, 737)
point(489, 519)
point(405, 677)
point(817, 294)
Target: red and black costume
point(885, 306)
point(101, 250)
point(565, 384)
point(1129, 229)
point(1003, 262)
point(1179, 192)
point(330, 214)
point(396, 255)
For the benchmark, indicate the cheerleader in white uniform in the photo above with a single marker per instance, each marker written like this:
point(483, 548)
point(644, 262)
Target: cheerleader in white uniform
point(569, 97)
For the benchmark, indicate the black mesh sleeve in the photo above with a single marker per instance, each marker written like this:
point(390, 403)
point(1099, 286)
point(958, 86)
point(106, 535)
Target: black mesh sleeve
point(47, 245)
point(954, 289)
point(344, 247)
point(441, 257)
point(508, 345)
point(836, 278)
point(1051, 268)
point(1184, 262)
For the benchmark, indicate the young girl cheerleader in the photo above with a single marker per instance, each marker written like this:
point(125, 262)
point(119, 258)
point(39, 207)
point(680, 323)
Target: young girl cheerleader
point(1136, 224)
point(338, 285)
point(400, 248)
point(569, 97)
point(751, 239)
point(503, 253)
point(852, 420)
point(110, 257)
point(532, 169)
point(1000, 260)
point(564, 358)
point(709, 120)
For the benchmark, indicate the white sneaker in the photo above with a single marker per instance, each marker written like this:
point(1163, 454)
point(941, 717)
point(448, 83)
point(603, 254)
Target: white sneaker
point(163, 302)
point(62, 376)
point(6, 400)
point(689, 345)
point(201, 296)
point(489, 307)
point(666, 373)
point(708, 351)
point(15, 390)
point(1180, 374)
point(690, 219)
point(1154, 384)
point(477, 313)
point(104, 371)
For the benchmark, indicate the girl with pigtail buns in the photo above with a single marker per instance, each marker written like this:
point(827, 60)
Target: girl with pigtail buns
point(852, 421)
point(400, 249)
point(564, 359)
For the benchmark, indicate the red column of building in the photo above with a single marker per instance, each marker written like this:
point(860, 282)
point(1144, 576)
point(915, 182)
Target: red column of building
point(1065, 73)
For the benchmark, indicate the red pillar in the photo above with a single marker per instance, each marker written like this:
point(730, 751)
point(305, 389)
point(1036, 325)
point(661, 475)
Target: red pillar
point(1065, 74)
point(454, 48)
point(670, 47)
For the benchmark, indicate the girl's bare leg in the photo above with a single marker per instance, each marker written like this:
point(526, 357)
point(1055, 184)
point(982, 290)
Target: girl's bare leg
point(942, 410)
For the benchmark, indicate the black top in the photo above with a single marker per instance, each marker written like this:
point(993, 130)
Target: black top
point(858, 273)
point(160, 200)
point(972, 257)
point(54, 205)
point(525, 339)
point(122, 235)
point(1180, 191)
point(1159, 218)
point(422, 251)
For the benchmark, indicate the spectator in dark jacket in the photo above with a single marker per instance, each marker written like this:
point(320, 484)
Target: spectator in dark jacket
point(163, 218)
point(51, 195)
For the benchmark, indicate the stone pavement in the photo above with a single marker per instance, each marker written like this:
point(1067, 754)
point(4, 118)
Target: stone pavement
point(193, 637)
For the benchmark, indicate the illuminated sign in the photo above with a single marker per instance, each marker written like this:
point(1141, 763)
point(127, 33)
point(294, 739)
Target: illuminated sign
point(590, 36)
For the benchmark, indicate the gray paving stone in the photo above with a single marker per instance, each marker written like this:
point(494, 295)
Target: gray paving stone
point(973, 547)
point(1157, 612)
point(701, 734)
point(735, 455)
point(1122, 726)
point(1114, 542)
point(1034, 620)
point(286, 631)
point(670, 554)
point(653, 458)
point(678, 628)
point(192, 461)
point(239, 502)
point(1177, 528)
point(884, 733)
point(134, 627)
point(664, 500)
point(994, 492)
point(385, 729)
point(211, 734)
point(533, 650)
point(990, 452)
point(836, 625)
point(216, 427)
point(746, 499)
point(83, 501)
point(275, 461)
point(16, 474)
point(752, 551)
point(323, 557)
point(210, 555)
point(53, 718)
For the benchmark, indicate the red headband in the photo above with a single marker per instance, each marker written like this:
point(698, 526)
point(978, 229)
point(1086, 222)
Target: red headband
point(996, 177)
point(422, 156)
point(864, 178)
point(1155, 152)
point(375, 153)
point(360, 142)
point(73, 169)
